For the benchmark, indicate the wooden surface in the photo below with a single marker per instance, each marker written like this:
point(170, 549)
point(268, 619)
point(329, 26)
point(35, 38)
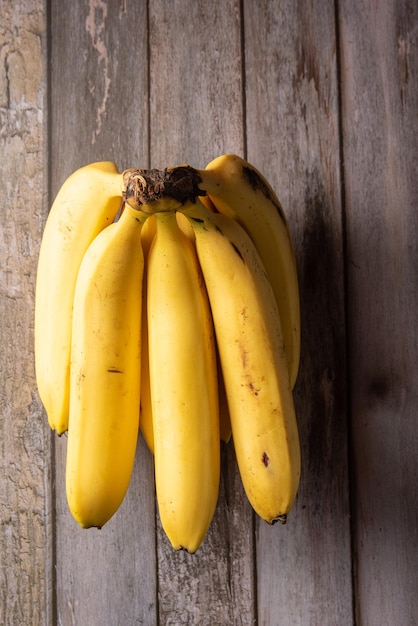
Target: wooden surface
point(323, 98)
point(26, 508)
point(380, 137)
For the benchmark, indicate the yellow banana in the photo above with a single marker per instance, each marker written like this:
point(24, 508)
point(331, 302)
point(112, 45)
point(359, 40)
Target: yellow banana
point(183, 382)
point(105, 372)
point(184, 224)
point(237, 189)
point(145, 420)
point(86, 203)
point(145, 417)
point(254, 364)
point(224, 420)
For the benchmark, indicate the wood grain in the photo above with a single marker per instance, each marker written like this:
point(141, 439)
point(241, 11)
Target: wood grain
point(303, 569)
point(26, 568)
point(322, 97)
point(196, 82)
point(99, 111)
point(196, 115)
point(379, 49)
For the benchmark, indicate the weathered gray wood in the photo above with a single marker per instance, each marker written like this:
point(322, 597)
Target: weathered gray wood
point(303, 569)
point(99, 110)
point(25, 485)
point(379, 44)
point(195, 86)
point(99, 85)
point(196, 115)
point(274, 99)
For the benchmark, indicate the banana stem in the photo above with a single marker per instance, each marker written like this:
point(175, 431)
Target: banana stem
point(153, 190)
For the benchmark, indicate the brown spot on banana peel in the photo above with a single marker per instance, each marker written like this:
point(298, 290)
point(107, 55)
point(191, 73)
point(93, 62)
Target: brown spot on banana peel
point(200, 220)
point(265, 459)
point(282, 518)
point(255, 390)
point(253, 178)
point(238, 251)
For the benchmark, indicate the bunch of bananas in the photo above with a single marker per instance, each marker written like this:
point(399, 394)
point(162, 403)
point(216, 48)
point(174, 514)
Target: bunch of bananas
point(167, 302)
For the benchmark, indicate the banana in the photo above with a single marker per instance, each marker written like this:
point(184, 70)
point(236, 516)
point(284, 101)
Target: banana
point(184, 225)
point(86, 203)
point(145, 417)
point(182, 365)
point(237, 189)
point(254, 364)
point(225, 431)
point(224, 419)
point(105, 372)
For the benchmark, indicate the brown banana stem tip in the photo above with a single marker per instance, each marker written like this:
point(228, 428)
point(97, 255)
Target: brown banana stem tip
point(142, 186)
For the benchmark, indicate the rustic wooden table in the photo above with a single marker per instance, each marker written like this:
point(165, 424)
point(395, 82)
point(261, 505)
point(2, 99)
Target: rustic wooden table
point(322, 97)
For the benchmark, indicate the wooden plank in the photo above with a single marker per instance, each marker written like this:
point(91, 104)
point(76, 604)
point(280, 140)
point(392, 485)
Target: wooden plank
point(99, 91)
point(303, 569)
point(195, 86)
point(196, 114)
point(99, 97)
point(379, 44)
point(26, 571)
point(99, 110)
